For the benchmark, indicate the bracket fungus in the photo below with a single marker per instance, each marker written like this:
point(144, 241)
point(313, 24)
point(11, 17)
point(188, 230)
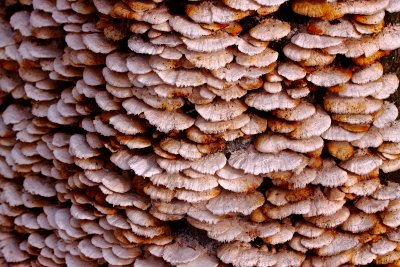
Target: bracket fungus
point(198, 133)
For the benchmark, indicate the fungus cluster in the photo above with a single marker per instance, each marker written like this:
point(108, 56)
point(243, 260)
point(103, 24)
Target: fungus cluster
point(198, 133)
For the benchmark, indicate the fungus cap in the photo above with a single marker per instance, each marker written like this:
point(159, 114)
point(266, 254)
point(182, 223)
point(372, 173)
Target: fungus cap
point(270, 30)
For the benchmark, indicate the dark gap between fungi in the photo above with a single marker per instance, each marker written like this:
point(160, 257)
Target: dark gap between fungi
point(10, 10)
point(392, 176)
point(116, 30)
point(73, 130)
point(342, 61)
point(184, 229)
point(391, 63)
point(9, 99)
point(237, 144)
point(326, 155)
point(285, 13)
point(189, 109)
point(316, 96)
point(266, 184)
point(249, 22)
point(176, 7)
point(258, 242)
point(122, 25)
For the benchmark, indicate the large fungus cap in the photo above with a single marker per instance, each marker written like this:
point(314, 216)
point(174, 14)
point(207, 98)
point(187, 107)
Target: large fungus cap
point(265, 163)
point(221, 110)
point(209, 12)
point(270, 30)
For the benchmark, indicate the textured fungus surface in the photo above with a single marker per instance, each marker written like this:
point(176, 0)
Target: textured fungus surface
point(199, 133)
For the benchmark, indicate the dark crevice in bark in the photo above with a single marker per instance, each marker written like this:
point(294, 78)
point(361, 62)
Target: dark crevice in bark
point(10, 10)
point(177, 7)
point(249, 22)
point(182, 229)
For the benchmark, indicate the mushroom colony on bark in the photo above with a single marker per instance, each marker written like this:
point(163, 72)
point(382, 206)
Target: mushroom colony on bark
point(152, 133)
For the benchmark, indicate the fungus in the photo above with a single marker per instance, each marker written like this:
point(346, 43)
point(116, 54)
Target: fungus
point(122, 135)
point(269, 30)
